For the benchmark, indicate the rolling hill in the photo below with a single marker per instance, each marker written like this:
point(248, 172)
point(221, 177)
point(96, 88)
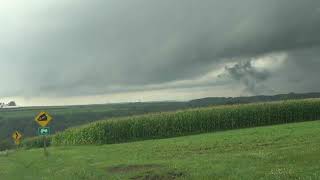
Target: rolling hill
point(69, 116)
point(275, 152)
point(184, 122)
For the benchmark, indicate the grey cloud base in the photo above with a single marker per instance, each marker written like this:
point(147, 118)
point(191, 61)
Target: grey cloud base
point(80, 48)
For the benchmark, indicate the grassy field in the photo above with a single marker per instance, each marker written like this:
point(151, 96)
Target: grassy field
point(289, 151)
point(22, 119)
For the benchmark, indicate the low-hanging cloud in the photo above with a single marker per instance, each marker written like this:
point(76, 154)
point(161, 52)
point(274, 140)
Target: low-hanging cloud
point(247, 74)
point(77, 48)
point(255, 72)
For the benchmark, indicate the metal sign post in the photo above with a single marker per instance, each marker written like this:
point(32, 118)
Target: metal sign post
point(43, 119)
point(46, 154)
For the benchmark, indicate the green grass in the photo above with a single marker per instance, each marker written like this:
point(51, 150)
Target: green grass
point(289, 151)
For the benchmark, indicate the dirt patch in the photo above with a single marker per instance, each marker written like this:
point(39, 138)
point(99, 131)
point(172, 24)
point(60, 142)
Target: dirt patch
point(132, 168)
point(147, 172)
point(164, 176)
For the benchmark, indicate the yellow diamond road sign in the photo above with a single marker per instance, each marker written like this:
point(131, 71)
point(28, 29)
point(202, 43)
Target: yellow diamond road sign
point(43, 119)
point(16, 136)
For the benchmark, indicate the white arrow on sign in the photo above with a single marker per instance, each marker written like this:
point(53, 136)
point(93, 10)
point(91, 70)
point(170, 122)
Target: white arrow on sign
point(44, 131)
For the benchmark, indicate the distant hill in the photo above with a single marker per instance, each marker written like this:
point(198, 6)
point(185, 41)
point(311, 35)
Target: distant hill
point(211, 101)
point(22, 118)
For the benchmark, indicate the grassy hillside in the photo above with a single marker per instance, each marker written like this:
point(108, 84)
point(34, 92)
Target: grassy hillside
point(180, 123)
point(68, 116)
point(277, 152)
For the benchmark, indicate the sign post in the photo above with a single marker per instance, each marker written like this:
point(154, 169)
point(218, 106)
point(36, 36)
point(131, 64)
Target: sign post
point(43, 119)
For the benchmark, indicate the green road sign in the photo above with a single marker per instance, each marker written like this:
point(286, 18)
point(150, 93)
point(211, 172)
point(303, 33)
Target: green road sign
point(44, 131)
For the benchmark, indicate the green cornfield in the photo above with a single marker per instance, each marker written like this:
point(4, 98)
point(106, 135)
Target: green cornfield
point(193, 121)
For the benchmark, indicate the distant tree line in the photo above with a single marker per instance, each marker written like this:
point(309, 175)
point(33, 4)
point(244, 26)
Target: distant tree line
point(10, 104)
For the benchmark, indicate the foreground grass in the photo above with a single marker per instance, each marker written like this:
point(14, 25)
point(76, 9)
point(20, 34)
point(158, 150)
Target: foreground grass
point(277, 152)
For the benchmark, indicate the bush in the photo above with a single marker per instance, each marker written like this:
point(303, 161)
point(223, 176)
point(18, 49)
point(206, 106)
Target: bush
point(36, 142)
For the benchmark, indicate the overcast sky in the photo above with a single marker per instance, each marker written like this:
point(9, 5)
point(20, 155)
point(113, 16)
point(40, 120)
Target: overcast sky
point(101, 51)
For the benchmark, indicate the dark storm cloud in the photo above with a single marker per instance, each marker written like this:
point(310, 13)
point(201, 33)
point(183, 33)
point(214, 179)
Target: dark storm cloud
point(301, 72)
point(68, 48)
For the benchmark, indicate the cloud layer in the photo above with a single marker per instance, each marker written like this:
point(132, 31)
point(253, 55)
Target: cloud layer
point(80, 48)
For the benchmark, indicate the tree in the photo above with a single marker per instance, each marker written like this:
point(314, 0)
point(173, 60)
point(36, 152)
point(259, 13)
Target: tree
point(12, 103)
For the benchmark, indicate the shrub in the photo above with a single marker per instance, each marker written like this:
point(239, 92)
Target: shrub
point(36, 142)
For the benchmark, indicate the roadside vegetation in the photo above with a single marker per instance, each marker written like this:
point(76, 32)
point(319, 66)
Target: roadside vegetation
point(21, 118)
point(186, 122)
